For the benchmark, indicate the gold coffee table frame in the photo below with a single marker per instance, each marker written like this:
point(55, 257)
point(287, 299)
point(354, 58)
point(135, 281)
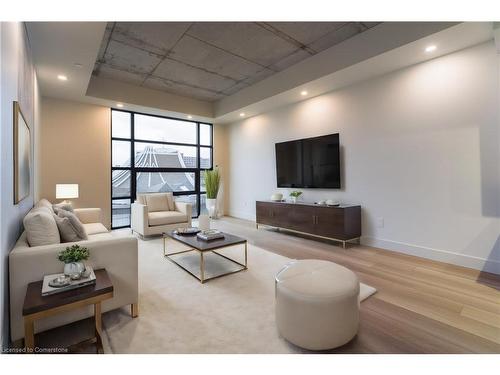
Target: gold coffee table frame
point(202, 277)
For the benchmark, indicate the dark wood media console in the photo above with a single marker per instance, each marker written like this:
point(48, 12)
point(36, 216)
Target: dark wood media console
point(339, 223)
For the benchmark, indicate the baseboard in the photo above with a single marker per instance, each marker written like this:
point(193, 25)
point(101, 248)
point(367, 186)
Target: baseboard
point(242, 215)
point(469, 261)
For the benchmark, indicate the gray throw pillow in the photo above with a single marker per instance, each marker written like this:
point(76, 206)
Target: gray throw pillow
point(75, 223)
point(67, 206)
point(66, 230)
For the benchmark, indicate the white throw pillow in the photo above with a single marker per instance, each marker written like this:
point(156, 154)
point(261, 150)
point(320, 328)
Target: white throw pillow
point(157, 202)
point(41, 228)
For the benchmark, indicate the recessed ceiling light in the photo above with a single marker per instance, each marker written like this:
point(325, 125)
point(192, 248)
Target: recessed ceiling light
point(430, 48)
point(189, 117)
point(78, 65)
point(303, 93)
point(119, 105)
point(62, 77)
point(242, 114)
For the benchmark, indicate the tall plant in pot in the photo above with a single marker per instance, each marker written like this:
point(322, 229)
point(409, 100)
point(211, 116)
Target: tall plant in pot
point(212, 184)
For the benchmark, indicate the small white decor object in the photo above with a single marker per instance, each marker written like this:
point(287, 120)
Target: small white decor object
point(73, 268)
point(294, 195)
point(331, 202)
point(277, 197)
point(204, 222)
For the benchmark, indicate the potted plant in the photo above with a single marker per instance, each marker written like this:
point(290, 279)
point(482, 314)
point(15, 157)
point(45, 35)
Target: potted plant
point(212, 184)
point(294, 195)
point(72, 258)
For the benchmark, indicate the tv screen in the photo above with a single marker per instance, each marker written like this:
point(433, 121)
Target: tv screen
point(309, 163)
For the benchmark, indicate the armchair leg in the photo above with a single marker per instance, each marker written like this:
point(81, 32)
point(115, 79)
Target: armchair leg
point(134, 310)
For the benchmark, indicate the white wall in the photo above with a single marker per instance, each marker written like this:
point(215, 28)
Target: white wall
point(420, 149)
point(12, 42)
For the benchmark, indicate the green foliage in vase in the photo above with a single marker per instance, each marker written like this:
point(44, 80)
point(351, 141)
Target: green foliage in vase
point(212, 183)
point(296, 194)
point(73, 254)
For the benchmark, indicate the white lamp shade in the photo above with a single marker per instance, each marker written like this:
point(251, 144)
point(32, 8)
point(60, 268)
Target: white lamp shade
point(66, 191)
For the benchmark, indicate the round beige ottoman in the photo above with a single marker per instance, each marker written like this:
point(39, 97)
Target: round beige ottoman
point(317, 304)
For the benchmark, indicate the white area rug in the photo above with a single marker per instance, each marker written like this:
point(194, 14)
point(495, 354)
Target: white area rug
point(178, 314)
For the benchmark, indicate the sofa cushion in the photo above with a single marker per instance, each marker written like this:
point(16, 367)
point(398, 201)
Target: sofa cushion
point(67, 231)
point(41, 228)
point(157, 202)
point(44, 203)
point(166, 217)
point(94, 228)
point(62, 206)
point(74, 222)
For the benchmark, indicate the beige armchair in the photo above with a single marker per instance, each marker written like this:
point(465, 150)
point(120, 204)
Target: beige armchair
point(155, 213)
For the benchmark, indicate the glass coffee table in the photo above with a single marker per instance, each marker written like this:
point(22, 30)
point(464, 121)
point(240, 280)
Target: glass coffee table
point(204, 247)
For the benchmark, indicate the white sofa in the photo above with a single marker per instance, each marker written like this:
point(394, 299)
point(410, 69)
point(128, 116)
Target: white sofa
point(155, 213)
point(116, 253)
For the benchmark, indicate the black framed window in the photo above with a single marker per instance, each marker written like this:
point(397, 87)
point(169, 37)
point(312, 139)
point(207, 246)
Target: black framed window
point(151, 153)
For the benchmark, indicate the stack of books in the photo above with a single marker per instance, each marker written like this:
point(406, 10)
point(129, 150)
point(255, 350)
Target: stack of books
point(211, 234)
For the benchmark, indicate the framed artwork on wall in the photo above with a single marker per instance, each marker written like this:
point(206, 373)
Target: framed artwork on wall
point(22, 155)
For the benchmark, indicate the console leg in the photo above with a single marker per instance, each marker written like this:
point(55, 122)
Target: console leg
point(134, 310)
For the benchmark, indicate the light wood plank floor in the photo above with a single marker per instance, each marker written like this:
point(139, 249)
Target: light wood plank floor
point(421, 306)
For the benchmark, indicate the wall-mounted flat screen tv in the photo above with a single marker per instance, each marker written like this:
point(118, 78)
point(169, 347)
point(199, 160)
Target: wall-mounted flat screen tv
point(309, 163)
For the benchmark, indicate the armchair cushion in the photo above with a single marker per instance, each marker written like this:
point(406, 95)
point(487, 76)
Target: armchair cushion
point(157, 202)
point(166, 217)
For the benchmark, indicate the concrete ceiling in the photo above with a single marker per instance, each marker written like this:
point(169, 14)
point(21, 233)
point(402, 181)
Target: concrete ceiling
point(212, 60)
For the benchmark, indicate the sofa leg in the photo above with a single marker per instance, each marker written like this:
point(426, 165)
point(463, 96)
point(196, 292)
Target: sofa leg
point(134, 310)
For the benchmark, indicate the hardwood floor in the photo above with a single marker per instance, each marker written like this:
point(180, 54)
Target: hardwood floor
point(421, 306)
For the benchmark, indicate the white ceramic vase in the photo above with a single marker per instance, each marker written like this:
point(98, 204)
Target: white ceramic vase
point(211, 205)
point(293, 199)
point(73, 267)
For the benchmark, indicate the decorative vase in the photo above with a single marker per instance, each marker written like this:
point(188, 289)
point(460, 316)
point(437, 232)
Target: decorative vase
point(73, 267)
point(293, 199)
point(211, 205)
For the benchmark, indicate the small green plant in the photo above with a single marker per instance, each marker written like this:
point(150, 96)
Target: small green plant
point(295, 194)
point(212, 183)
point(74, 254)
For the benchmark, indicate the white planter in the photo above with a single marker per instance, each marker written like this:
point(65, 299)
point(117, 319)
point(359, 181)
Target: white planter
point(211, 205)
point(74, 267)
point(293, 199)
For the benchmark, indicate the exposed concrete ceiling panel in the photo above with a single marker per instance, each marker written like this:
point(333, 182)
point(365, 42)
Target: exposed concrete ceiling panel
point(210, 60)
point(307, 32)
point(183, 73)
point(205, 56)
point(157, 37)
point(122, 56)
point(246, 39)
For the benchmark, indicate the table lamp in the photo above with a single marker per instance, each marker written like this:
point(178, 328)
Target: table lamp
point(66, 191)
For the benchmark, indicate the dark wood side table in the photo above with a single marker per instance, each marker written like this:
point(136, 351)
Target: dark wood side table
point(37, 306)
